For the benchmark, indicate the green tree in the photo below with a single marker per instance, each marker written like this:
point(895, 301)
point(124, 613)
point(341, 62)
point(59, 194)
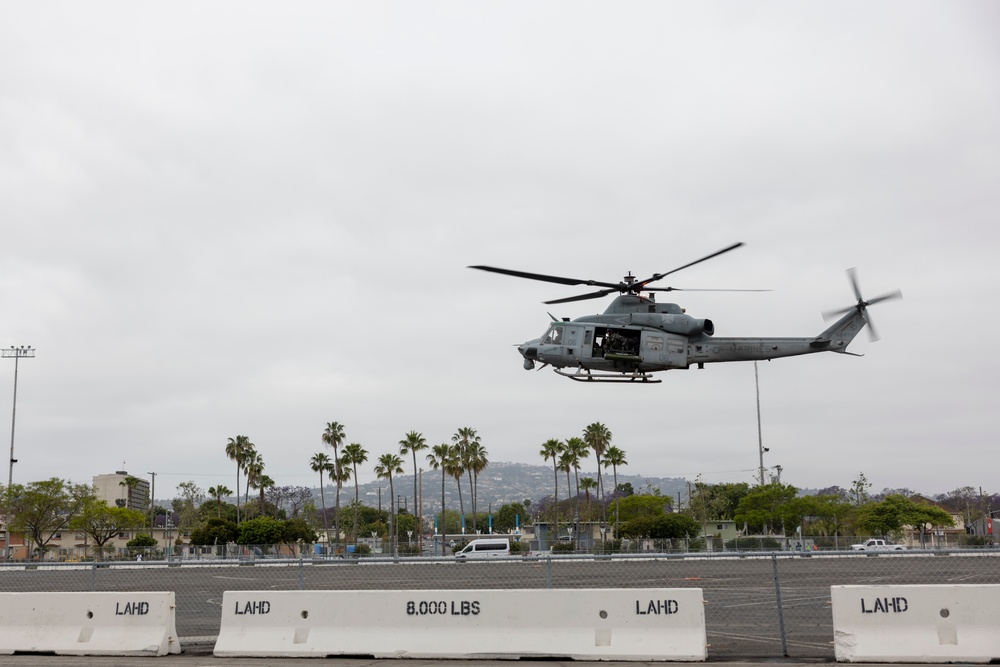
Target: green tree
point(673, 526)
point(333, 436)
point(412, 443)
point(509, 516)
point(614, 458)
point(215, 532)
point(236, 450)
point(41, 509)
point(130, 483)
point(389, 465)
point(859, 489)
point(598, 437)
point(439, 459)
point(320, 462)
point(551, 449)
point(890, 515)
point(262, 531)
point(218, 492)
point(463, 440)
point(764, 508)
point(102, 522)
point(191, 497)
point(355, 454)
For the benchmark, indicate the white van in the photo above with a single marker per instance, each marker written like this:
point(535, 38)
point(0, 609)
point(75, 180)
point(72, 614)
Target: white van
point(485, 548)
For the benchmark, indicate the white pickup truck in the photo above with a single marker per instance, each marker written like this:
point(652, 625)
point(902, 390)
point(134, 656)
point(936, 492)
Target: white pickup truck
point(878, 545)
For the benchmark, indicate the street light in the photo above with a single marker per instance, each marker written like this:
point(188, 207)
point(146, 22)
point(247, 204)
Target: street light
point(16, 353)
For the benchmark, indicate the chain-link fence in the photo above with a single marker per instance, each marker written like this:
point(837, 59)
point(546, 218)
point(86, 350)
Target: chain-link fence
point(757, 604)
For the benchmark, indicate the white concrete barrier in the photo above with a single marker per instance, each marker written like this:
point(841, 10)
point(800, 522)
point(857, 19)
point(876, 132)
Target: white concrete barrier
point(583, 624)
point(88, 623)
point(916, 623)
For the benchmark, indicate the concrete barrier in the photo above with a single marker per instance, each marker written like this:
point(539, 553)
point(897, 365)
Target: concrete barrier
point(582, 624)
point(88, 623)
point(916, 623)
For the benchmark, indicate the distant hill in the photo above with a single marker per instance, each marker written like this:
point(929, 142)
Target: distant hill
point(499, 484)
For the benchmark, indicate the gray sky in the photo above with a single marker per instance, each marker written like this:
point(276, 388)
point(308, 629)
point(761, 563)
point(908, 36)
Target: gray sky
point(255, 218)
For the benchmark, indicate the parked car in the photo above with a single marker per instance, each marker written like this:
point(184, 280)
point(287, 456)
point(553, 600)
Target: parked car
point(878, 545)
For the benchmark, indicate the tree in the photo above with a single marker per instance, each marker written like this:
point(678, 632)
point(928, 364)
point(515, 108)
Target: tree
point(263, 530)
point(389, 465)
point(332, 437)
point(598, 437)
point(551, 449)
point(215, 532)
point(613, 458)
point(456, 470)
point(576, 451)
point(891, 514)
point(320, 462)
point(130, 483)
point(287, 499)
point(236, 450)
point(253, 466)
point(859, 489)
point(191, 496)
point(438, 459)
point(218, 492)
point(41, 509)
point(588, 483)
point(763, 509)
point(463, 439)
point(412, 443)
point(355, 454)
point(102, 522)
point(510, 516)
point(477, 458)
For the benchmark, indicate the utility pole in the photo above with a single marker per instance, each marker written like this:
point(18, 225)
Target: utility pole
point(760, 438)
point(16, 353)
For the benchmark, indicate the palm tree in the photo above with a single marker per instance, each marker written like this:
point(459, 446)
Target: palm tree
point(412, 443)
point(614, 457)
point(598, 437)
point(566, 465)
point(455, 468)
point(320, 462)
point(253, 466)
point(264, 482)
point(130, 482)
point(464, 437)
point(551, 449)
point(218, 492)
point(478, 459)
point(438, 459)
point(332, 437)
point(387, 466)
point(579, 451)
point(236, 450)
point(355, 454)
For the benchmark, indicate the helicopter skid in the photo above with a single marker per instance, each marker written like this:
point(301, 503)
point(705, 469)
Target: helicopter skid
point(584, 375)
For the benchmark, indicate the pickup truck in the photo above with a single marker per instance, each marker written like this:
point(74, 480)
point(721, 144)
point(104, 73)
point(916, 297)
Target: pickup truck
point(877, 545)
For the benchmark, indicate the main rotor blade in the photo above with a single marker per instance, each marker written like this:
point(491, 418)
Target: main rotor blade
point(549, 279)
point(583, 297)
point(657, 276)
point(697, 289)
point(852, 275)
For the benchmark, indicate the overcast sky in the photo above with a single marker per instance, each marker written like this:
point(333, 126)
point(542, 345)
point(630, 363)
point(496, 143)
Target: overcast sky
point(256, 218)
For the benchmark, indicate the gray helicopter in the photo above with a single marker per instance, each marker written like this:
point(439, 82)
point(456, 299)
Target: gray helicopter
point(636, 336)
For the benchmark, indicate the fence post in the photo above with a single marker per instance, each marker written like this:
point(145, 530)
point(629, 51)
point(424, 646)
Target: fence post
point(93, 576)
point(548, 571)
point(781, 613)
point(300, 572)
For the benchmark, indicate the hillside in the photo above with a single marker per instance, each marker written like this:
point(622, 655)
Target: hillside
point(499, 484)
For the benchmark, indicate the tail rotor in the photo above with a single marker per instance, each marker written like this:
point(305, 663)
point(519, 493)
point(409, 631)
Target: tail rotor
point(862, 304)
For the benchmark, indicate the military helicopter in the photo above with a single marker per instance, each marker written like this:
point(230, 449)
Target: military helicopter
point(636, 336)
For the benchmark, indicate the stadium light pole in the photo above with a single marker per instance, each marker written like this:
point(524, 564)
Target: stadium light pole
point(16, 353)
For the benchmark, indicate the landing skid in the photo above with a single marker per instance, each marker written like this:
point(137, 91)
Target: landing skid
point(584, 375)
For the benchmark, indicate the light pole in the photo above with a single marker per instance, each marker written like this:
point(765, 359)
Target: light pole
point(16, 353)
point(760, 438)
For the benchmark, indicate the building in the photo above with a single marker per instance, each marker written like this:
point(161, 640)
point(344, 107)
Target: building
point(115, 489)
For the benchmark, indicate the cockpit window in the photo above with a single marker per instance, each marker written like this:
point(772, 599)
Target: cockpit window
point(553, 336)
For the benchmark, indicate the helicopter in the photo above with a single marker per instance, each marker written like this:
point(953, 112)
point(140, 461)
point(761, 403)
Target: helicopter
point(636, 336)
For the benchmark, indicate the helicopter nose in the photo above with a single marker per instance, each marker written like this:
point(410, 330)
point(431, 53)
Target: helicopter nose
point(528, 351)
